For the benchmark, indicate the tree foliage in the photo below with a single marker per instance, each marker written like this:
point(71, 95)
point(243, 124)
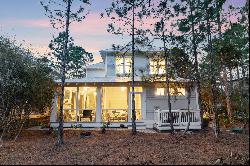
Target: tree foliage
point(25, 87)
point(76, 60)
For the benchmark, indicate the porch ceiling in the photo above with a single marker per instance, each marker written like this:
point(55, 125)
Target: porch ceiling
point(100, 80)
point(110, 80)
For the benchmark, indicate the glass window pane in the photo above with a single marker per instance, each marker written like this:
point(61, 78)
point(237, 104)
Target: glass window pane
point(87, 104)
point(119, 69)
point(128, 64)
point(137, 89)
point(160, 92)
point(177, 91)
point(119, 65)
point(157, 66)
point(114, 104)
point(153, 66)
point(69, 104)
point(69, 98)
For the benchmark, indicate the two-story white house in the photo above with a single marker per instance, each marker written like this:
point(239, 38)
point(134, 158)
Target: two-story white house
point(105, 95)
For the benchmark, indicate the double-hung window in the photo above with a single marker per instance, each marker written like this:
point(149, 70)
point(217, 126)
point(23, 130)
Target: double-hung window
point(123, 65)
point(157, 66)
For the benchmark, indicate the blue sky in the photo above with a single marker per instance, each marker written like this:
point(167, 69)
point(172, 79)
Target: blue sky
point(25, 20)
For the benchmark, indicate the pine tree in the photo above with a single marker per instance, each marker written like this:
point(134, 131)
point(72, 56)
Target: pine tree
point(61, 17)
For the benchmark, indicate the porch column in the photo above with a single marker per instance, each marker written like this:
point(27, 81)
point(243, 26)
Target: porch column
point(143, 104)
point(197, 98)
point(77, 104)
point(129, 105)
point(99, 104)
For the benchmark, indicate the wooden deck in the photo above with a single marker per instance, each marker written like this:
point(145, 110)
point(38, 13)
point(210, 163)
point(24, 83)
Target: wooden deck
point(181, 119)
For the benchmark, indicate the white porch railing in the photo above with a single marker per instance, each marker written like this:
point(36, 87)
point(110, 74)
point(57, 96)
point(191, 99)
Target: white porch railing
point(180, 119)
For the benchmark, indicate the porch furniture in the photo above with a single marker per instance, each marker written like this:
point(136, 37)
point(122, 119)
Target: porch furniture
point(86, 113)
point(114, 115)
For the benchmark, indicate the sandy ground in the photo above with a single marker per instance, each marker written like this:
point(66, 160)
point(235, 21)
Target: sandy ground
point(120, 147)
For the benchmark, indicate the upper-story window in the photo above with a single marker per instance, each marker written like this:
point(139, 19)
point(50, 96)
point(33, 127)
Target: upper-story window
point(178, 91)
point(123, 65)
point(157, 66)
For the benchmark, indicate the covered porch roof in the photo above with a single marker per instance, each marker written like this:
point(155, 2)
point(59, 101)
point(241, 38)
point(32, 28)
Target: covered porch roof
point(112, 80)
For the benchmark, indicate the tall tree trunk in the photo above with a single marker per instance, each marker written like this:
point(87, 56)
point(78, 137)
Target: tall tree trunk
point(226, 86)
point(133, 72)
point(222, 59)
point(166, 55)
point(64, 54)
point(239, 90)
point(213, 76)
point(196, 64)
point(231, 80)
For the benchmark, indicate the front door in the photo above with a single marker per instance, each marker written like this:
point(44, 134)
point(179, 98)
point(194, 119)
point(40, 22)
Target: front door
point(138, 101)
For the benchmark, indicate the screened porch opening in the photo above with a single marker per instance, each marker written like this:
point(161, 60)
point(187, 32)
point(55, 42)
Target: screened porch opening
point(87, 104)
point(69, 104)
point(114, 104)
point(79, 104)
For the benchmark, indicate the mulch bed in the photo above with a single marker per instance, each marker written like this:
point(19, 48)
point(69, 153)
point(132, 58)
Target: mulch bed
point(120, 147)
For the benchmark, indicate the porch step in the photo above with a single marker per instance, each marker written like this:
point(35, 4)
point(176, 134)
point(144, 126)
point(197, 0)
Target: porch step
point(139, 125)
point(180, 127)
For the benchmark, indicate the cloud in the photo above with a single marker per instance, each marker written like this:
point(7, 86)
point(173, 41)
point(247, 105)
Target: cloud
point(40, 23)
point(92, 25)
point(37, 23)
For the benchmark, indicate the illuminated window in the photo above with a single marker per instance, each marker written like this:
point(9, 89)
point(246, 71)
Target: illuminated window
point(123, 65)
point(177, 91)
point(69, 104)
point(160, 91)
point(173, 92)
point(87, 104)
point(137, 89)
point(114, 104)
point(157, 66)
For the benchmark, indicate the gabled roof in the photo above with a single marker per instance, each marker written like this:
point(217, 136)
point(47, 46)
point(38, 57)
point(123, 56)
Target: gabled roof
point(100, 65)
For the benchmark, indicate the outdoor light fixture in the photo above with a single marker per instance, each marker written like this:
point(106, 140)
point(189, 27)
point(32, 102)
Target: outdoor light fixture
point(85, 89)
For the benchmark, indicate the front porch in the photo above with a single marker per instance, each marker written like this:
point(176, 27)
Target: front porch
point(91, 105)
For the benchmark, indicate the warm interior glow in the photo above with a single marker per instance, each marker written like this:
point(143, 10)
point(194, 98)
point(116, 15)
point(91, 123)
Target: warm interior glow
point(69, 104)
point(114, 104)
point(123, 65)
point(177, 92)
point(157, 66)
point(160, 91)
point(173, 92)
point(87, 104)
point(123, 88)
point(137, 89)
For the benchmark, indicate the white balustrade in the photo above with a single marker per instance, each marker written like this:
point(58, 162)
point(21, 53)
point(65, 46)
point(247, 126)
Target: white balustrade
point(180, 118)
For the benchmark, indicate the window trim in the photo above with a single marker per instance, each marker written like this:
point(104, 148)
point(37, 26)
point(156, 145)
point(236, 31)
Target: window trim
point(157, 67)
point(123, 65)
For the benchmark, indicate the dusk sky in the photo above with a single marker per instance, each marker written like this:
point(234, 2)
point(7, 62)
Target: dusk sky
point(25, 20)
